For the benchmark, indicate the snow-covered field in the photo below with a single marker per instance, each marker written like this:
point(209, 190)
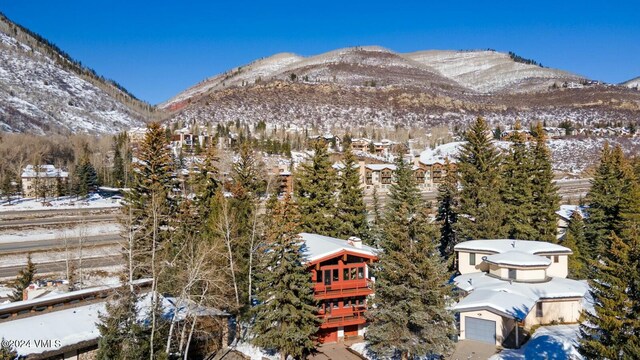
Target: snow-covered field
point(55, 256)
point(548, 342)
point(90, 229)
point(95, 201)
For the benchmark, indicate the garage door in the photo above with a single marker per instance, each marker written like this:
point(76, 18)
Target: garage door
point(480, 330)
point(328, 336)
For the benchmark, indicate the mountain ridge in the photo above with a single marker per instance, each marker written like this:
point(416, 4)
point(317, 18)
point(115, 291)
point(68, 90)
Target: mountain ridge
point(44, 90)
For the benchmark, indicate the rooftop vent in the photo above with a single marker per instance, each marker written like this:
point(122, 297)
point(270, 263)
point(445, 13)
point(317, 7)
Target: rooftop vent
point(355, 242)
point(513, 244)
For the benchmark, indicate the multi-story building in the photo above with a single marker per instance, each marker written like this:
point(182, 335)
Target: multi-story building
point(43, 181)
point(342, 283)
point(509, 286)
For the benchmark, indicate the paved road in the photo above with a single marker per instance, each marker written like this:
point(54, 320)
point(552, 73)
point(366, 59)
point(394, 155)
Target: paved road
point(472, 350)
point(58, 220)
point(88, 263)
point(334, 351)
point(57, 244)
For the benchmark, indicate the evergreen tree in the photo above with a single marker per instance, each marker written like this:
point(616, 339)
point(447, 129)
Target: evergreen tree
point(7, 352)
point(86, 177)
point(285, 318)
point(352, 213)
point(447, 216)
point(575, 240)
point(23, 280)
point(613, 332)
point(150, 199)
point(410, 316)
point(517, 192)
point(117, 173)
point(609, 189)
point(546, 200)
point(481, 213)
point(116, 326)
point(314, 192)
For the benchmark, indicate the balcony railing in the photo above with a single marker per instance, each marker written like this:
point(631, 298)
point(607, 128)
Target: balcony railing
point(344, 288)
point(354, 317)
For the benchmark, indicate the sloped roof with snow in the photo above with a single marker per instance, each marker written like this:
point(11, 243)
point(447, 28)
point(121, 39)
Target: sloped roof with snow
point(566, 211)
point(499, 246)
point(378, 167)
point(512, 298)
point(43, 171)
point(318, 246)
point(517, 258)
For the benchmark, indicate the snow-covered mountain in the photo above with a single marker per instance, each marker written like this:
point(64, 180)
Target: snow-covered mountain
point(490, 71)
point(375, 86)
point(633, 83)
point(43, 91)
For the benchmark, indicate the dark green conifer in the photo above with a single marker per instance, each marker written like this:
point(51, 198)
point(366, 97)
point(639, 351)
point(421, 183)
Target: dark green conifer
point(314, 191)
point(352, 213)
point(23, 280)
point(285, 318)
point(410, 317)
point(7, 352)
point(546, 200)
point(481, 213)
point(575, 240)
point(517, 192)
point(447, 216)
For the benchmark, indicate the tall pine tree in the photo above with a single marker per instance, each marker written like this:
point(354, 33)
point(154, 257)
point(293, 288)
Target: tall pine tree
point(352, 213)
point(614, 330)
point(447, 217)
point(314, 189)
point(481, 213)
point(546, 200)
point(609, 190)
point(517, 192)
point(575, 240)
point(285, 319)
point(410, 317)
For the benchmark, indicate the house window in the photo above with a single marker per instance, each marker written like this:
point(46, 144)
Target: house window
point(319, 276)
point(512, 274)
point(345, 274)
point(472, 258)
point(335, 275)
point(556, 258)
point(539, 312)
point(360, 273)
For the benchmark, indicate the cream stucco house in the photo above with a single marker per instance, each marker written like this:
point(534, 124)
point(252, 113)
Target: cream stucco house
point(514, 282)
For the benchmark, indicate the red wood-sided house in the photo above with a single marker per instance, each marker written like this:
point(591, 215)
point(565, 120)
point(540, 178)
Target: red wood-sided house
point(342, 282)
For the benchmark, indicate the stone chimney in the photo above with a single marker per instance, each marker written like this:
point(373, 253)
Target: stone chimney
point(355, 242)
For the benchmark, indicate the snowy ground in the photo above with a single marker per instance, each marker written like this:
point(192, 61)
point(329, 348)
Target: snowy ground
point(55, 256)
point(548, 342)
point(92, 229)
point(94, 201)
point(255, 353)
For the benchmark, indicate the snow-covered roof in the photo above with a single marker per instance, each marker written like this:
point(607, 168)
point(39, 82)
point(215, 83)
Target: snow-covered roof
point(518, 258)
point(43, 171)
point(499, 246)
point(512, 298)
point(566, 211)
point(379, 167)
point(78, 324)
point(319, 246)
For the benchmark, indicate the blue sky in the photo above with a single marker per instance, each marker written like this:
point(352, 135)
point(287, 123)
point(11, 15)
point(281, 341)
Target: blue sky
point(157, 49)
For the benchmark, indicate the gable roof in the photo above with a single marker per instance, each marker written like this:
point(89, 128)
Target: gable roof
point(317, 247)
point(499, 246)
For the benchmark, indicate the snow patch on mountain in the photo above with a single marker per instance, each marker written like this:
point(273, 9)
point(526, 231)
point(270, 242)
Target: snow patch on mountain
point(489, 71)
point(633, 83)
point(37, 95)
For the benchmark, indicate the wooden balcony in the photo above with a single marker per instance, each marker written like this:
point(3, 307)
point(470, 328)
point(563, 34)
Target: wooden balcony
point(360, 287)
point(340, 317)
